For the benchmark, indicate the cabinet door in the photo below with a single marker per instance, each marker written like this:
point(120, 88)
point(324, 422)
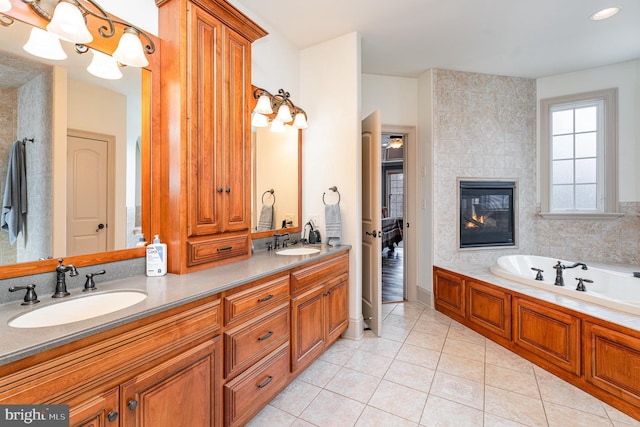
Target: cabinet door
point(307, 326)
point(236, 128)
point(489, 308)
point(336, 309)
point(180, 392)
point(552, 335)
point(448, 293)
point(101, 411)
point(206, 186)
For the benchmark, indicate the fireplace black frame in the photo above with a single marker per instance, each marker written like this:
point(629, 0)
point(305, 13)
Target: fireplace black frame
point(502, 193)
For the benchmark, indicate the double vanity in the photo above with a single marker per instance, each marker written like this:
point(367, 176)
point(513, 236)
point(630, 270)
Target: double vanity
point(206, 348)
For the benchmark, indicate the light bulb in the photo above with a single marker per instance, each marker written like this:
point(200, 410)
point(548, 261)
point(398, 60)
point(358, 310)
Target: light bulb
point(300, 122)
point(68, 24)
point(284, 114)
point(104, 66)
point(277, 126)
point(5, 5)
point(129, 50)
point(264, 105)
point(44, 44)
point(259, 120)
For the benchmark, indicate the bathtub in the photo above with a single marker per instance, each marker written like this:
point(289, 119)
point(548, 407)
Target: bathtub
point(613, 289)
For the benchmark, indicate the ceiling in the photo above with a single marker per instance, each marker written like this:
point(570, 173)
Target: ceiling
point(505, 37)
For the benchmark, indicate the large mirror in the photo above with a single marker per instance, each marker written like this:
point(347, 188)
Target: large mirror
point(276, 190)
point(86, 141)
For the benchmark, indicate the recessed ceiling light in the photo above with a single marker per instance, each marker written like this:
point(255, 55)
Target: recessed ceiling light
point(605, 13)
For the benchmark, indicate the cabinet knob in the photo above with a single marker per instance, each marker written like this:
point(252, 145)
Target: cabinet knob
point(228, 190)
point(132, 404)
point(220, 190)
point(112, 416)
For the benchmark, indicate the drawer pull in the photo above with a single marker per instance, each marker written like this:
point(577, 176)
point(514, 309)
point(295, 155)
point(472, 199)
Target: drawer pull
point(228, 248)
point(267, 298)
point(132, 404)
point(266, 383)
point(112, 416)
point(266, 336)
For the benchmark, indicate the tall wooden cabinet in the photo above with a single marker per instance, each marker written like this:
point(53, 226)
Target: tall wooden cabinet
point(206, 94)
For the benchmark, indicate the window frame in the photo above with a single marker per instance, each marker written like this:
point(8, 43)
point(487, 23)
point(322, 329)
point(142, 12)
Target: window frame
point(609, 153)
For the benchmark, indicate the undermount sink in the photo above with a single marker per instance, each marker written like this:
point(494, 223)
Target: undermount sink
point(81, 308)
point(298, 251)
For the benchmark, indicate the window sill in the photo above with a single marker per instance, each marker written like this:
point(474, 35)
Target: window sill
point(577, 215)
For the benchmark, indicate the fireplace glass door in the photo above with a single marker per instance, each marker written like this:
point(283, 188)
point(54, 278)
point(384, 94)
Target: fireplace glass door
point(487, 216)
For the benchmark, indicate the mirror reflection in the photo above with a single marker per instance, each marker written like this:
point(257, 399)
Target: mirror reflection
point(275, 183)
point(83, 168)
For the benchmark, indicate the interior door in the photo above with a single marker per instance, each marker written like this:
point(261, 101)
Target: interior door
point(87, 181)
point(371, 225)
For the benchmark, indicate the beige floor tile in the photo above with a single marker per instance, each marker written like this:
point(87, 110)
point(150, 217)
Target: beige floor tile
point(408, 311)
point(430, 326)
point(295, 397)
point(338, 355)
point(435, 316)
point(461, 367)
point(381, 346)
point(424, 340)
point(372, 417)
point(514, 406)
point(491, 420)
point(559, 392)
point(399, 400)
point(462, 333)
point(399, 321)
point(561, 416)
point(620, 418)
point(497, 355)
point(464, 349)
point(368, 363)
point(516, 381)
point(273, 417)
point(394, 333)
point(387, 308)
point(460, 390)
point(418, 356)
point(319, 373)
point(353, 384)
point(413, 376)
point(332, 410)
point(301, 423)
point(440, 412)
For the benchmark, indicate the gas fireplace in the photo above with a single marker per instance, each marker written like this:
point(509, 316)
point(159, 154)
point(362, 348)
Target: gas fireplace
point(487, 214)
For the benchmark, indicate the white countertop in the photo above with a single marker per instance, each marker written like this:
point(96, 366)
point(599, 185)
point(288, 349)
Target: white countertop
point(163, 293)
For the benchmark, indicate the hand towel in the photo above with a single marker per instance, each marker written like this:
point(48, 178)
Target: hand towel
point(333, 224)
point(14, 201)
point(265, 222)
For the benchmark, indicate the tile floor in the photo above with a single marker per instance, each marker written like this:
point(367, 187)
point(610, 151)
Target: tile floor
point(427, 370)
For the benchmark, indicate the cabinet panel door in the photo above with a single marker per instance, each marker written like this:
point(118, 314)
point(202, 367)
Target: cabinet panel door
point(489, 308)
point(612, 362)
point(307, 327)
point(205, 185)
point(236, 128)
point(101, 411)
point(448, 291)
point(180, 392)
point(552, 335)
point(336, 309)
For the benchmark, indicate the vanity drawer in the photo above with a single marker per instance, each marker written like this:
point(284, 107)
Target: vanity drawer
point(218, 249)
point(256, 299)
point(248, 393)
point(319, 272)
point(247, 343)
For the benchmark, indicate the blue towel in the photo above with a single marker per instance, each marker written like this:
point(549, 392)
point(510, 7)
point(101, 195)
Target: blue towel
point(333, 224)
point(14, 202)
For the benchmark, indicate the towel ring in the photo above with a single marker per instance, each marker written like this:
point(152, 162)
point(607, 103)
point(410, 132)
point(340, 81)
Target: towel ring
point(335, 190)
point(272, 193)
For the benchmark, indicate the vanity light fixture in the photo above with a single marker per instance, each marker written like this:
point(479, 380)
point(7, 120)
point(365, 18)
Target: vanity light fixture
point(67, 19)
point(44, 44)
point(104, 66)
point(605, 13)
point(286, 110)
point(5, 6)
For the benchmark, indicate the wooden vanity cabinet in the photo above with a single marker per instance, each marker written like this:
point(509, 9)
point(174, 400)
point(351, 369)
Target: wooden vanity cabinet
point(206, 97)
point(319, 308)
point(100, 411)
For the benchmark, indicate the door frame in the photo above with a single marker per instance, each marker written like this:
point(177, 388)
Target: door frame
point(111, 181)
point(410, 234)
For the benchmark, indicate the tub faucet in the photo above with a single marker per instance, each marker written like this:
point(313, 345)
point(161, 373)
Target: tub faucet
point(559, 280)
point(61, 285)
point(584, 266)
point(581, 287)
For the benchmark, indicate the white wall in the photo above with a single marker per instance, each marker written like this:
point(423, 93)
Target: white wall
point(626, 77)
point(330, 89)
point(142, 13)
point(395, 97)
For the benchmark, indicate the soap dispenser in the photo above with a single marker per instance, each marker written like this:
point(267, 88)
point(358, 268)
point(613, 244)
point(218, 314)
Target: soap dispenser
point(156, 258)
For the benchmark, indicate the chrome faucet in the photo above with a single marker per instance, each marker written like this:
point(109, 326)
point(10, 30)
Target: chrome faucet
point(61, 285)
point(277, 236)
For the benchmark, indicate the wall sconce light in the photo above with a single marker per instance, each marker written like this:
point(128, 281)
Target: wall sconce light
point(396, 141)
point(104, 66)
point(67, 20)
point(287, 111)
point(44, 44)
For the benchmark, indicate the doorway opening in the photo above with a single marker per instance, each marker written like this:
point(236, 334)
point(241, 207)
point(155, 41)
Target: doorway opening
point(393, 198)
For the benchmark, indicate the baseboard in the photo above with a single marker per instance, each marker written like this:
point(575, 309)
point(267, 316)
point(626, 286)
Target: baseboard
point(355, 331)
point(425, 297)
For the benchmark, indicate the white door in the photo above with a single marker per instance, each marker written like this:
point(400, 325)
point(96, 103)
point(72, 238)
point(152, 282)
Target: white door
point(87, 172)
point(371, 225)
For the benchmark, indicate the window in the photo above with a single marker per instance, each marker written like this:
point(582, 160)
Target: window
point(578, 159)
